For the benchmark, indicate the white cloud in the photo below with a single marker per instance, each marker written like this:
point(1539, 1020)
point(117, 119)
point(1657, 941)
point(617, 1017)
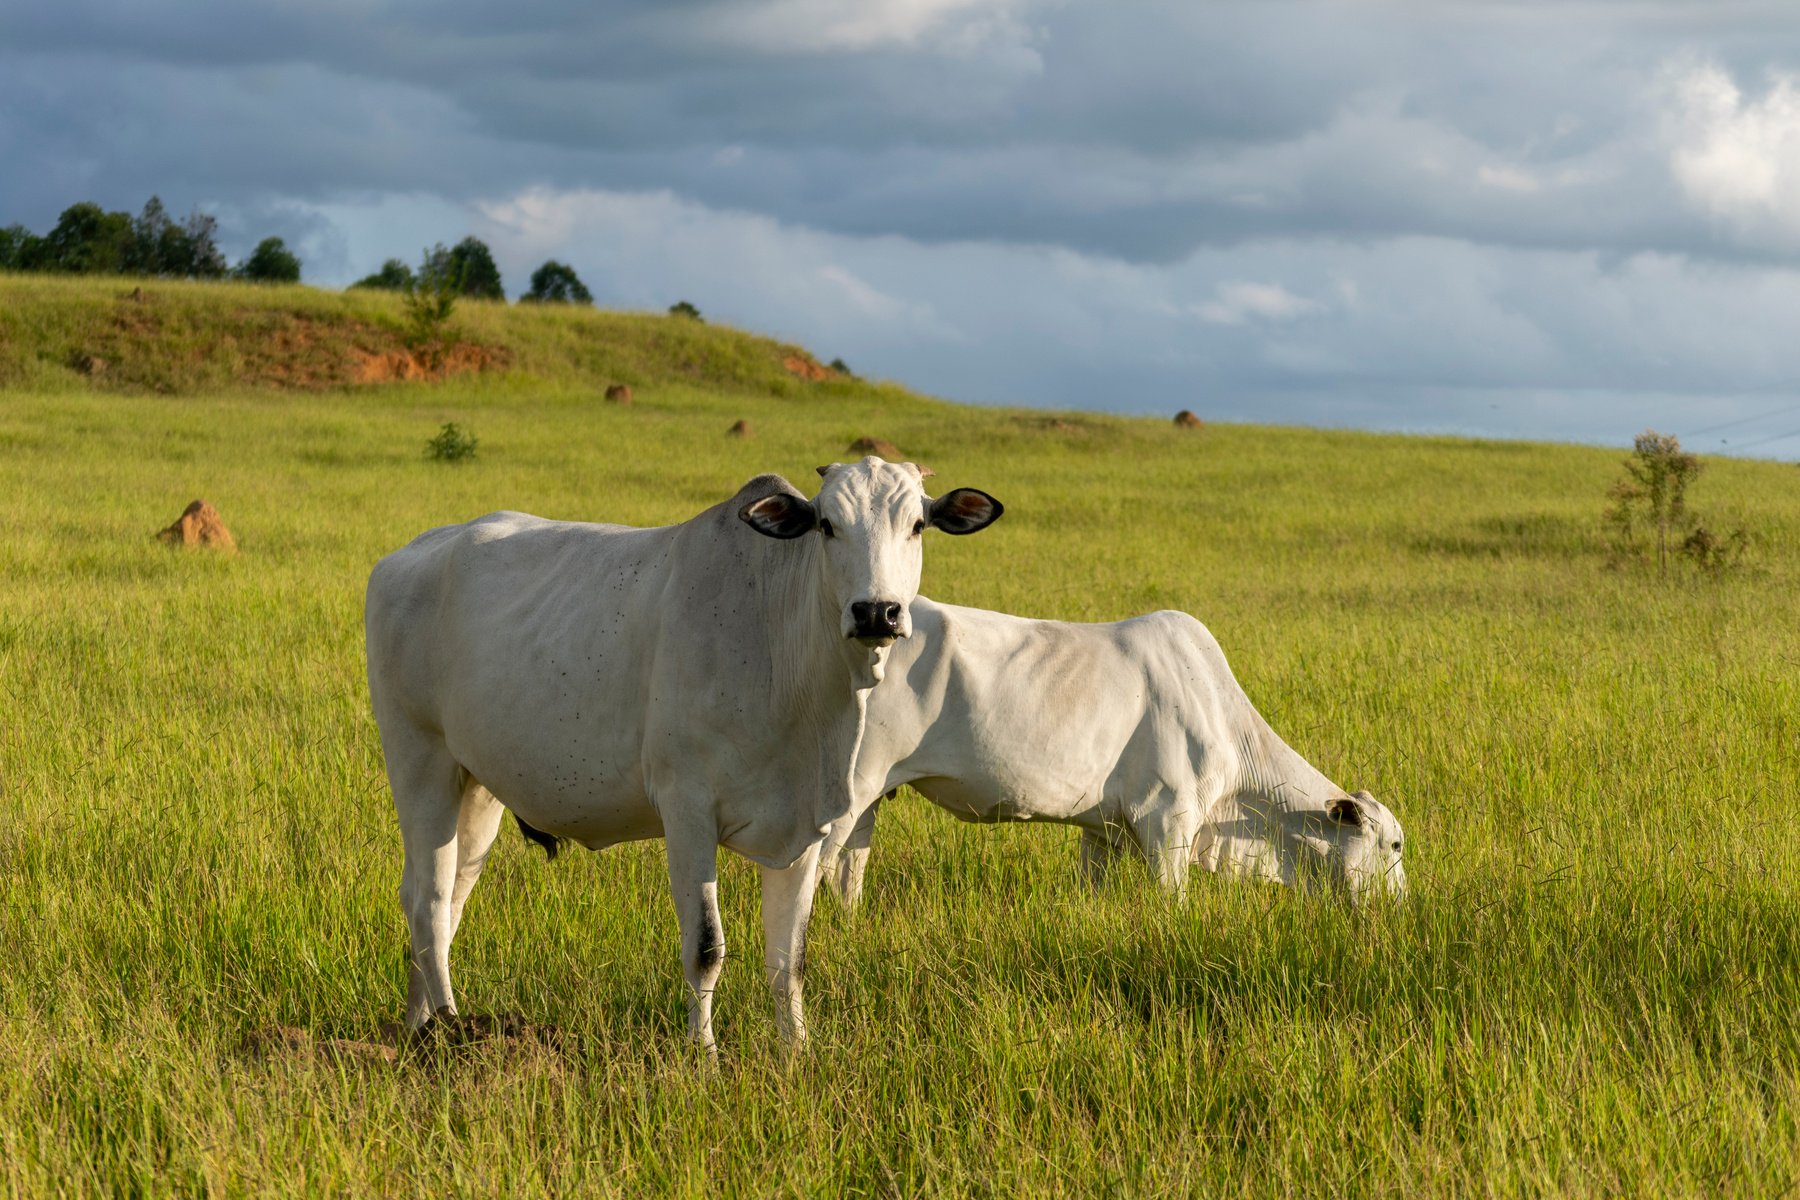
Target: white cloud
point(1237, 302)
point(1509, 179)
point(1737, 157)
point(823, 26)
point(647, 249)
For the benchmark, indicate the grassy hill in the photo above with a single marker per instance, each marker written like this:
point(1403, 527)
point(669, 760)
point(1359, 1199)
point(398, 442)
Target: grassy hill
point(1592, 989)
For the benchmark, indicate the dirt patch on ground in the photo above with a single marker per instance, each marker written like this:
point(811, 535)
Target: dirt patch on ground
point(395, 1044)
point(145, 345)
point(405, 365)
point(807, 368)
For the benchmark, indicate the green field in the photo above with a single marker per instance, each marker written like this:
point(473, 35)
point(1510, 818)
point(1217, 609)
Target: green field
point(1592, 990)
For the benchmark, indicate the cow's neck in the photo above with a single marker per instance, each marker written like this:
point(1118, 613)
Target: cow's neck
point(819, 678)
point(1273, 774)
point(811, 660)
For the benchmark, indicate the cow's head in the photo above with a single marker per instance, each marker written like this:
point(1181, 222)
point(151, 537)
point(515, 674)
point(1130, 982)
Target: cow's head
point(870, 518)
point(1367, 841)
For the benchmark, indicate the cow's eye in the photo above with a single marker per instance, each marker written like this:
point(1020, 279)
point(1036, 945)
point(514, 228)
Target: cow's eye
point(1396, 847)
point(825, 528)
point(918, 528)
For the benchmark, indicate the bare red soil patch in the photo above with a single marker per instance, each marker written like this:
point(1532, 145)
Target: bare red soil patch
point(145, 345)
point(806, 368)
point(404, 365)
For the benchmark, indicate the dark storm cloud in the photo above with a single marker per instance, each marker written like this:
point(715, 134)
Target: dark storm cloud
point(1143, 130)
point(1403, 214)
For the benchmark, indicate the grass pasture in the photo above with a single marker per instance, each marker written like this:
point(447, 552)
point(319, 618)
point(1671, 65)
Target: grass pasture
point(1592, 991)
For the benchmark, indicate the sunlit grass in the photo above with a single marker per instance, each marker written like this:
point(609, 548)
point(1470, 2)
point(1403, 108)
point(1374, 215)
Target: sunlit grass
point(1592, 990)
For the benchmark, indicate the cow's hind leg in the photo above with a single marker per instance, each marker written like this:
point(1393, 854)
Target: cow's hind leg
point(477, 825)
point(787, 899)
point(427, 799)
point(694, 885)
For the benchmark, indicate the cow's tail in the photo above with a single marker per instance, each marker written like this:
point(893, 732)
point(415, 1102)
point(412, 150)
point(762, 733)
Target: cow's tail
point(550, 843)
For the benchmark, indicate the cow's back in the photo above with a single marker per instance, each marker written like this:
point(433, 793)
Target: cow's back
point(526, 645)
point(1004, 716)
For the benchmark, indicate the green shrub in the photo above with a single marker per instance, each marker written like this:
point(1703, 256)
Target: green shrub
point(453, 444)
point(1714, 553)
point(681, 308)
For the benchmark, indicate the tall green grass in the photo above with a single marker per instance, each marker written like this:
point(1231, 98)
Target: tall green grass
point(1591, 991)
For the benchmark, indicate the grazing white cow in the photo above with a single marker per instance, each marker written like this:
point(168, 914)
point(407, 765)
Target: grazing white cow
point(703, 683)
point(1135, 731)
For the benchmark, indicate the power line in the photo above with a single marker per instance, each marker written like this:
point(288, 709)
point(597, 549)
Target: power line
point(1780, 437)
point(1780, 412)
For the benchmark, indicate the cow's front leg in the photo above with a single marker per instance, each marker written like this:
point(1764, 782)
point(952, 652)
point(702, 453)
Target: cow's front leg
point(694, 884)
point(1167, 835)
point(847, 859)
point(1099, 847)
point(787, 898)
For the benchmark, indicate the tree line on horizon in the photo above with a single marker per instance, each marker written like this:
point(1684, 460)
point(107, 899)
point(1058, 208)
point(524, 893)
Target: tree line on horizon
point(88, 240)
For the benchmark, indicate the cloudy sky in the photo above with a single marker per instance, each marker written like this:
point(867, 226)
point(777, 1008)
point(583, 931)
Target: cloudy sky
point(1565, 219)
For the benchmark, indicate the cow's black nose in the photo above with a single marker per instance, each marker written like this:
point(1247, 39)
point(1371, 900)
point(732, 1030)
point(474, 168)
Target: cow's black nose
point(876, 618)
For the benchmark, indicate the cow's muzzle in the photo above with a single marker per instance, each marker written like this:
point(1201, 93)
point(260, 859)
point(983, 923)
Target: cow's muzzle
point(876, 622)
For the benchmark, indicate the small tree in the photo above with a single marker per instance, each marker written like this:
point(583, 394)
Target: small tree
point(394, 276)
point(1653, 495)
point(431, 295)
point(270, 262)
point(681, 308)
point(475, 268)
point(557, 283)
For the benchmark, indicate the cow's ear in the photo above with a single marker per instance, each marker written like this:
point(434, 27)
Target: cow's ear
point(966, 510)
point(780, 516)
point(1345, 811)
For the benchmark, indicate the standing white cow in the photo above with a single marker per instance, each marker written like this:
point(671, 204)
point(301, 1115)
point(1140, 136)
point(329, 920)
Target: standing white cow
point(1135, 731)
point(703, 683)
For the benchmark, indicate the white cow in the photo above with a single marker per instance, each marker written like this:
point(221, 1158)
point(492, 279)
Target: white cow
point(703, 683)
point(1136, 732)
